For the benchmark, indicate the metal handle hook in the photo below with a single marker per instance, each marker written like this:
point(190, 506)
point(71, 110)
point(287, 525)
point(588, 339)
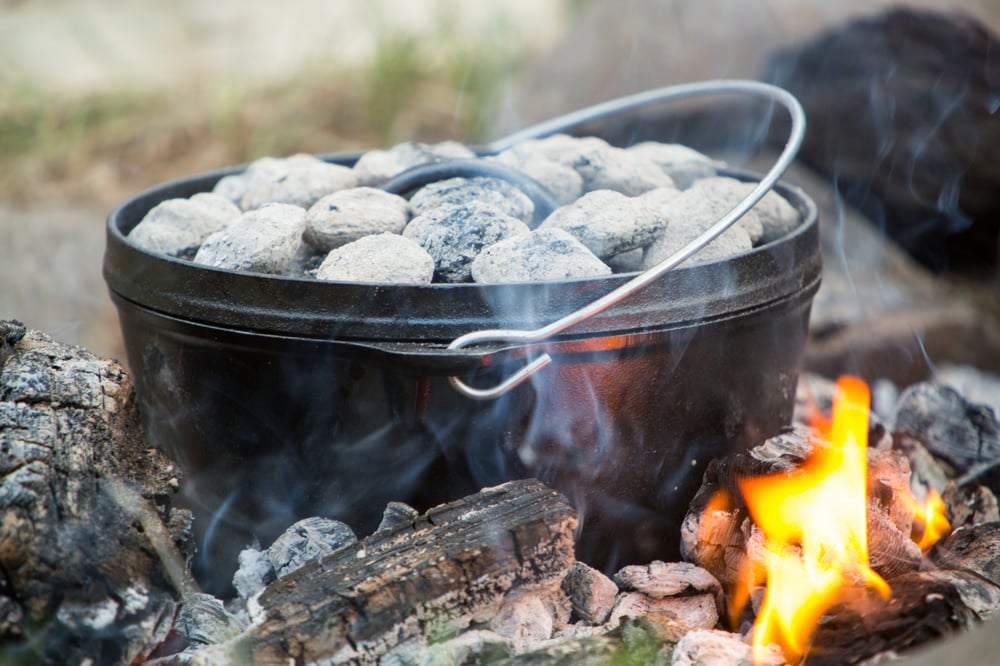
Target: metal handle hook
point(604, 109)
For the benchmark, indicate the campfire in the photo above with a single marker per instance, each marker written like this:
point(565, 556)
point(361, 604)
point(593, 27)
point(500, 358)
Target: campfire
point(429, 469)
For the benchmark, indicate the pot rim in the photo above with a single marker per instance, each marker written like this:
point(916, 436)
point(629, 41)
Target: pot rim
point(438, 313)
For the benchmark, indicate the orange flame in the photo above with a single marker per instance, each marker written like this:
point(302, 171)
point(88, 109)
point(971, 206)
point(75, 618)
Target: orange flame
point(814, 521)
point(932, 519)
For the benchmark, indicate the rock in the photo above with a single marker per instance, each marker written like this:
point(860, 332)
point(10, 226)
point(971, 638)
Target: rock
point(543, 254)
point(495, 192)
point(455, 235)
point(377, 166)
point(961, 433)
point(608, 222)
point(684, 165)
point(591, 593)
point(176, 226)
point(263, 240)
point(383, 258)
point(346, 216)
point(307, 181)
point(562, 181)
point(307, 540)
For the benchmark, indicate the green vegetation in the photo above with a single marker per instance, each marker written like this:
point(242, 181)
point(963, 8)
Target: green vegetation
point(430, 88)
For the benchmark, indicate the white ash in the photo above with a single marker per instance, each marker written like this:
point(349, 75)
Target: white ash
point(496, 192)
point(591, 593)
point(263, 240)
point(176, 226)
point(699, 611)
point(307, 540)
point(524, 621)
point(773, 213)
point(455, 235)
point(711, 647)
point(609, 222)
point(684, 165)
point(306, 182)
point(347, 215)
point(690, 214)
point(562, 181)
point(382, 258)
point(667, 579)
point(543, 254)
point(254, 573)
point(377, 166)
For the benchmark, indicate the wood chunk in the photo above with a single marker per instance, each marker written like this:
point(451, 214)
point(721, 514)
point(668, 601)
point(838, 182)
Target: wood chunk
point(524, 621)
point(962, 433)
point(591, 593)
point(667, 579)
point(429, 578)
point(87, 525)
point(924, 606)
point(975, 549)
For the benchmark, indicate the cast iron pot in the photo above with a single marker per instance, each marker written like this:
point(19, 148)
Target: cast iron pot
point(287, 398)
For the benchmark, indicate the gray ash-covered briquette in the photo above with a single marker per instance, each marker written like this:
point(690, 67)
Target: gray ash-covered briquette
point(305, 183)
point(176, 226)
point(380, 258)
point(347, 215)
point(608, 222)
point(562, 181)
point(377, 166)
point(774, 214)
point(684, 165)
point(543, 254)
point(495, 192)
point(455, 235)
point(309, 539)
point(263, 240)
point(617, 169)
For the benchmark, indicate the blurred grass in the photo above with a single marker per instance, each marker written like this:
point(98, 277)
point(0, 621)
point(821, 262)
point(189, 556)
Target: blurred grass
point(104, 146)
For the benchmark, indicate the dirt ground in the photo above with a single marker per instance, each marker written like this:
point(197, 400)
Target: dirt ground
point(110, 99)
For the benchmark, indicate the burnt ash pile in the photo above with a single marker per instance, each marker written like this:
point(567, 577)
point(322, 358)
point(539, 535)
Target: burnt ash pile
point(95, 557)
point(615, 211)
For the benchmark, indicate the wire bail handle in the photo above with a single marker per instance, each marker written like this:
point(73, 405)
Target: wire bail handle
point(602, 110)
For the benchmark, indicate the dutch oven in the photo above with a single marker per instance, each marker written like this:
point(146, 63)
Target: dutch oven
point(285, 398)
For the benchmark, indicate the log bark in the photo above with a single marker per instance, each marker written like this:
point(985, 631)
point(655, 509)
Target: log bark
point(85, 516)
point(418, 581)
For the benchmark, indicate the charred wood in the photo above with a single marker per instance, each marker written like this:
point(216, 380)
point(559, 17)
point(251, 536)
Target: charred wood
point(89, 537)
point(417, 581)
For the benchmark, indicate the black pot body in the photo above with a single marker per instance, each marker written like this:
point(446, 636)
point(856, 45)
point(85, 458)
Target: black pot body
point(281, 409)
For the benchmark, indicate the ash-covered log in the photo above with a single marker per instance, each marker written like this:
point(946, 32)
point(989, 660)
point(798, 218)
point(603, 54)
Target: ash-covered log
point(88, 540)
point(417, 581)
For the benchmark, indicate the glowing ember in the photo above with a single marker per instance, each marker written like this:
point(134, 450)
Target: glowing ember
point(814, 523)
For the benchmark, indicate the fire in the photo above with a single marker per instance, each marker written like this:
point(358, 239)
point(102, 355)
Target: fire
point(815, 525)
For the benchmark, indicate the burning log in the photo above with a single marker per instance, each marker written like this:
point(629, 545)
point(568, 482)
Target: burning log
point(418, 581)
point(89, 540)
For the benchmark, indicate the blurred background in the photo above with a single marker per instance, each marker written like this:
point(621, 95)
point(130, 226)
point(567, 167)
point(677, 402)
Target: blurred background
point(102, 98)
